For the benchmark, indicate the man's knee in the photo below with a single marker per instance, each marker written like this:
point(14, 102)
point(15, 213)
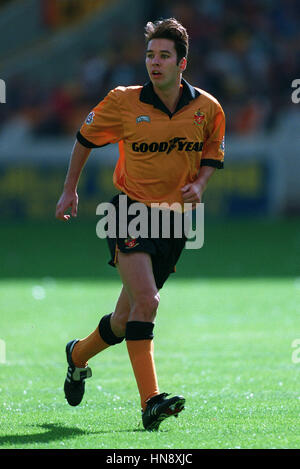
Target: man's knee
point(109, 334)
point(118, 323)
point(145, 307)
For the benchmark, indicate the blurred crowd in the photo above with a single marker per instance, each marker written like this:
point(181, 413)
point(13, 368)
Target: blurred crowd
point(244, 52)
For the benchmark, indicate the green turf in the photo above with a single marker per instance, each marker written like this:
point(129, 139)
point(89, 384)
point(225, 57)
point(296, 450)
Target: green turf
point(224, 341)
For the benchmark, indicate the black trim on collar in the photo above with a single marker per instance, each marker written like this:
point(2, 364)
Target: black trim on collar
point(149, 96)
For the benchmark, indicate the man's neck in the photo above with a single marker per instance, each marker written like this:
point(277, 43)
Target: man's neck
point(170, 96)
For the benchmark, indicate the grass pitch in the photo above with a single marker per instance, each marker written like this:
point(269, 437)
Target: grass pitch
point(223, 338)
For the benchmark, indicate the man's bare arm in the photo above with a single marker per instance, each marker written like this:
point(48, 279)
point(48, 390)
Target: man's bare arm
point(69, 197)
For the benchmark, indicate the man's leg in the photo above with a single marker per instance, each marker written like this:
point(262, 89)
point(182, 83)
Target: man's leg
point(137, 276)
point(121, 313)
point(138, 279)
point(110, 331)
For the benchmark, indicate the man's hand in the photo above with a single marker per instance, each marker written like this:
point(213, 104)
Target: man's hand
point(192, 193)
point(69, 199)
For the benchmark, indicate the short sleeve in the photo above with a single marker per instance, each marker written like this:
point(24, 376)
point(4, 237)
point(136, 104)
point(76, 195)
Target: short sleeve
point(103, 125)
point(214, 144)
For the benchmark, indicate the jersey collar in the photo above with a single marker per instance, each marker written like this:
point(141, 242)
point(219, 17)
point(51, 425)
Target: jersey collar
point(148, 96)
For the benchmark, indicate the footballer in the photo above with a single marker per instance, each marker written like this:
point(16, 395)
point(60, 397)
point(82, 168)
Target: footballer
point(171, 140)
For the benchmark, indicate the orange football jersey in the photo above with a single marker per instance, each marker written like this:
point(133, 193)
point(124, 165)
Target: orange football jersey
point(159, 152)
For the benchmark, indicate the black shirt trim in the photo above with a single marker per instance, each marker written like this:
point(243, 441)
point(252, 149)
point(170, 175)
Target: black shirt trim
point(86, 143)
point(214, 163)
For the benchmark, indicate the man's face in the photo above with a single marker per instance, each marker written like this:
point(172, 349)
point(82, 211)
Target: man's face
point(161, 63)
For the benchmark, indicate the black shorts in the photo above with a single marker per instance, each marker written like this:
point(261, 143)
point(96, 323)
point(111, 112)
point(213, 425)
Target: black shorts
point(164, 251)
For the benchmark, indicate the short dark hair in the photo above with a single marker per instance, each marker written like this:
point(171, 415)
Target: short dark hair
point(169, 29)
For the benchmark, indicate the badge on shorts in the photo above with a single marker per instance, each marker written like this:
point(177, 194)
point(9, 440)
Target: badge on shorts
point(199, 117)
point(90, 118)
point(130, 243)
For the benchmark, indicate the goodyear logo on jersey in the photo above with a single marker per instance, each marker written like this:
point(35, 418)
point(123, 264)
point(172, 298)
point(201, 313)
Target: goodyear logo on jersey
point(177, 143)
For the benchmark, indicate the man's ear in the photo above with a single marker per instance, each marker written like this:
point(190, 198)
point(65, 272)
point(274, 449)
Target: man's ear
point(183, 64)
